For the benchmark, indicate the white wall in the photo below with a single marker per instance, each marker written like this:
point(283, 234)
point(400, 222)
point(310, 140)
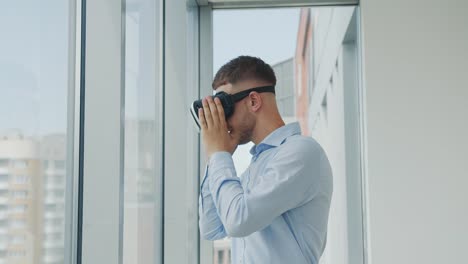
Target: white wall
point(416, 82)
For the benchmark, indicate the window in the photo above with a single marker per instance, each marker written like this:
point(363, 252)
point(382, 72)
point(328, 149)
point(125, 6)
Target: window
point(221, 257)
point(36, 88)
point(18, 239)
point(21, 179)
point(17, 254)
point(4, 178)
point(18, 209)
point(20, 194)
point(20, 164)
point(53, 222)
point(321, 43)
point(60, 164)
point(18, 224)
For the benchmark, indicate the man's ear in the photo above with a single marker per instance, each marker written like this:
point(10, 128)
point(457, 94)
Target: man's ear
point(255, 101)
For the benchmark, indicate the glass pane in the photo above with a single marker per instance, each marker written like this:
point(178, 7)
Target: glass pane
point(34, 76)
point(313, 52)
point(141, 133)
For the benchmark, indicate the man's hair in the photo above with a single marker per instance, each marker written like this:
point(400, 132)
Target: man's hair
point(244, 68)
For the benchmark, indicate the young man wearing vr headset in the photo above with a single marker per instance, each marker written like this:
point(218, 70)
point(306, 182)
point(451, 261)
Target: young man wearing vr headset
point(277, 210)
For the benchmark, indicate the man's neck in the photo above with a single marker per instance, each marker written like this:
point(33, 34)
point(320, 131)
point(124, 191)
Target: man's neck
point(265, 127)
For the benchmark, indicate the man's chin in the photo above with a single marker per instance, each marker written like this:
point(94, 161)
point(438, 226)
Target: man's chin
point(242, 140)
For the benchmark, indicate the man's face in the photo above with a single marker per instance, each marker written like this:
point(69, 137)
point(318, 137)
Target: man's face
point(242, 121)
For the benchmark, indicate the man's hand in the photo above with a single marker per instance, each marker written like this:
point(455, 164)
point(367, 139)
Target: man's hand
point(214, 128)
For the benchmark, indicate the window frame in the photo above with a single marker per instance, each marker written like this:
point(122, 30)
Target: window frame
point(219, 4)
point(100, 217)
point(94, 220)
point(206, 248)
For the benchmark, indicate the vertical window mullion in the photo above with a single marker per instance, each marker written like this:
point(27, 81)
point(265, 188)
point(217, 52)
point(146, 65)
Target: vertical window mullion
point(103, 133)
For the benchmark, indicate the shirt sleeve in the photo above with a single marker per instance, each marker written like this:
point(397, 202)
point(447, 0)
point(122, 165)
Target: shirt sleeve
point(211, 227)
point(288, 182)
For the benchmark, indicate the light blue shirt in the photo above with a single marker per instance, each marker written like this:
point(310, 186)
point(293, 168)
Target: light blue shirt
point(277, 211)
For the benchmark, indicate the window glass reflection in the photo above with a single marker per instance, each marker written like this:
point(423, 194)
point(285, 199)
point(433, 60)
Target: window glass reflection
point(34, 64)
point(141, 133)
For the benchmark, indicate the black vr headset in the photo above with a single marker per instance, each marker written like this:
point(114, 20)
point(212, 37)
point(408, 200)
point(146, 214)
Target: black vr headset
point(228, 101)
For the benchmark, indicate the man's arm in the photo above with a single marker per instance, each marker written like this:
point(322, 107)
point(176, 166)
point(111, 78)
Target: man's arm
point(211, 227)
point(292, 178)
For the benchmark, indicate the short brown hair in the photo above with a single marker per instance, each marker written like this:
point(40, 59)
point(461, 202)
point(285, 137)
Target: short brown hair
point(244, 68)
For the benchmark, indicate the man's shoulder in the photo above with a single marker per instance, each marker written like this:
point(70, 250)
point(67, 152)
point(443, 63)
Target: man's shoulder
point(301, 144)
point(300, 141)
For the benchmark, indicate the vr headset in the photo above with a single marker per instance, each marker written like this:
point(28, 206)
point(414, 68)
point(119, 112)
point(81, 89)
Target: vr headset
point(228, 101)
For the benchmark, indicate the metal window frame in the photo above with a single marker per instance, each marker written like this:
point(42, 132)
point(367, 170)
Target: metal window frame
point(159, 157)
point(181, 141)
point(101, 226)
point(102, 128)
point(236, 4)
point(363, 140)
point(206, 26)
point(206, 72)
point(73, 132)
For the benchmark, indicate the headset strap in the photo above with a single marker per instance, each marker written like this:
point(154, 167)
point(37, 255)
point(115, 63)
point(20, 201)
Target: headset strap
point(241, 95)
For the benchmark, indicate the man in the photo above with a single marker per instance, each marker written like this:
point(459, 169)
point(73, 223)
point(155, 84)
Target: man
point(277, 211)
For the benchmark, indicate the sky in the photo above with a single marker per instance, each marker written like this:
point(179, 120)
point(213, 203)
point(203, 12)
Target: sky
point(269, 34)
point(33, 79)
point(266, 33)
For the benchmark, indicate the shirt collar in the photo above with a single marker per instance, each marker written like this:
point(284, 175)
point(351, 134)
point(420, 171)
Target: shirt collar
point(278, 136)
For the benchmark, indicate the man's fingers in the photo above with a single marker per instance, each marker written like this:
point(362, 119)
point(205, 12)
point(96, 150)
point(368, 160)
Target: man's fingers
point(201, 117)
point(214, 111)
point(207, 112)
point(219, 106)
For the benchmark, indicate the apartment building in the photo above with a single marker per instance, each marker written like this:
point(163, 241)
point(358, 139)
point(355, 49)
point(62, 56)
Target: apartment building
point(20, 174)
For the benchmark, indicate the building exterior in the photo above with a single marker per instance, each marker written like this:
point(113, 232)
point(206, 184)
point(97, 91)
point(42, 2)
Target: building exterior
point(327, 107)
point(302, 69)
point(284, 89)
point(20, 228)
point(51, 201)
point(32, 199)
